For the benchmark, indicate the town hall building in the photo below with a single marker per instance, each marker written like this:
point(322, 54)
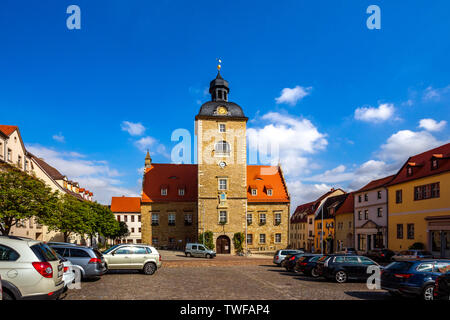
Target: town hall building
point(221, 194)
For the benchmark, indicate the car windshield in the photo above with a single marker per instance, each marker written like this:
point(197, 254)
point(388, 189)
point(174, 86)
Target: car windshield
point(110, 249)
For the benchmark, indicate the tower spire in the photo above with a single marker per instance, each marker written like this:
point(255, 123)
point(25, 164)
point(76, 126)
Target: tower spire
point(218, 88)
point(148, 160)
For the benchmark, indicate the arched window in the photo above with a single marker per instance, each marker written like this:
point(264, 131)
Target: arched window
point(222, 147)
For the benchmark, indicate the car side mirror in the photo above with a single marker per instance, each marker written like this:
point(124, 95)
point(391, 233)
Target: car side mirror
point(113, 253)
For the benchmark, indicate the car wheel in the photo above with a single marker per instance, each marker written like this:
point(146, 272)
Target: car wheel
point(188, 254)
point(340, 276)
point(314, 273)
point(208, 256)
point(149, 268)
point(428, 293)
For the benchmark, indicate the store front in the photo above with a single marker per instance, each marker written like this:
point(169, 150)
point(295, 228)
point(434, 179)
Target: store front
point(439, 236)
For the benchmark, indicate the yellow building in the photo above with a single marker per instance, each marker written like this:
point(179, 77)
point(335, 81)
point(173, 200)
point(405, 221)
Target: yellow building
point(419, 203)
point(344, 237)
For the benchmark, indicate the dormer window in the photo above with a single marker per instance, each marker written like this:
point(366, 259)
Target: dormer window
point(164, 191)
point(254, 192)
point(409, 171)
point(434, 164)
point(269, 192)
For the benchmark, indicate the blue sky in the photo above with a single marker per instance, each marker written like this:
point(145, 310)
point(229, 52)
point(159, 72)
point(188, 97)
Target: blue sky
point(351, 110)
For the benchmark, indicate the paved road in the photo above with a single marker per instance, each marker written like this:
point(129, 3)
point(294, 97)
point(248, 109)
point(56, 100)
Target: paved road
point(221, 278)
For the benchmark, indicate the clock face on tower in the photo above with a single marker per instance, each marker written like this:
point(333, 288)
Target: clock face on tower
point(222, 110)
point(222, 164)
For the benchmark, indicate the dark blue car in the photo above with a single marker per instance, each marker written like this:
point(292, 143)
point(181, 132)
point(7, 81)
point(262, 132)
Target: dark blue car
point(413, 278)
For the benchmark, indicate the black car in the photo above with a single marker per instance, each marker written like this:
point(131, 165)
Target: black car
point(413, 278)
point(307, 265)
point(442, 287)
point(380, 255)
point(291, 261)
point(342, 267)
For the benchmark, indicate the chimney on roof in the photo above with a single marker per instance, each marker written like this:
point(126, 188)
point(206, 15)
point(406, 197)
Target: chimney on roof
point(148, 160)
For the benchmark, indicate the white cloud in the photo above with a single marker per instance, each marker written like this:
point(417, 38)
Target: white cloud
point(291, 138)
point(292, 96)
point(134, 129)
point(59, 137)
point(435, 94)
point(95, 175)
point(151, 144)
point(432, 125)
point(303, 193)
point(406, 143)
point(370, 114)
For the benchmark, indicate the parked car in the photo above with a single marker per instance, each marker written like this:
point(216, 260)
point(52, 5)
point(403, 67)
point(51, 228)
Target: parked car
point(344, 267)
point(29, 269)
point(52, 243)
point(133, 257)
point(415, 278)
point(198, 250)
point(442, 287)
point(280, 255)
point(1, 288)
point(347, 251)
point(90, 261)
point(380, 255)
point(69, 274)
point(412, 255)
point(291, 260)
point(307, 265)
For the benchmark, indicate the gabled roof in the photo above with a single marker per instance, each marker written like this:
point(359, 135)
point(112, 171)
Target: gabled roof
point(7, 130)
point(126, 204)
point(302, 211)
point(374, 184)
point(422, 165)
point(51, 171)
point(263, 178)
point(348, 206)
point(331, 202)
point(170, 176)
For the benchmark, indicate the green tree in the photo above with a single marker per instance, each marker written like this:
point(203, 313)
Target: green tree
point(23, 196)
point(208, 239)
point(121, 232)
point(238, 241)
point(101, 220)
point(72, 216)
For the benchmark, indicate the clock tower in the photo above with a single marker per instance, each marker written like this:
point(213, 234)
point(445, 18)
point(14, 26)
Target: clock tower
point(220, 127)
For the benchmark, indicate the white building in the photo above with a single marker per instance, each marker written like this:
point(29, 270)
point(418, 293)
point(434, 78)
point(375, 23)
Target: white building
point(128, 210)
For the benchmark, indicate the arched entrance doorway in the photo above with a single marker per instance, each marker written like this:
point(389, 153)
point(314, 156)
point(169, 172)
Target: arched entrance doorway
point(223, 244)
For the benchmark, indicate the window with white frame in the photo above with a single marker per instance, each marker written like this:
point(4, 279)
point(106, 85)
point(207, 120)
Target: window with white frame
point(181, 191)
point(155, 219)
point(172, 217)
point(223, 216)
point(9, 155)
point(262, 218)
point(249, 238)
point(254, 192)
point(188, 218)
point(164, 191)
point(222, 127)
point(222, 148)
point(262, 238)
point(269, 192)
point(223, 184)
point(249, 218)
point(277, 237)
point(277, 218)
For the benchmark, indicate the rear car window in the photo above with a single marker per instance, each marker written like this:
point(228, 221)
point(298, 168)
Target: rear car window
point(140, 250)
point(442, 267)
point(78, 253)
point(339, 259)
point(351, 259)
point(401, 266)
point(62, 251)
point(98, 254)
point(148, 250)
point(44, 253)
point(194, 247)
point(425, 267)
point(8, 254)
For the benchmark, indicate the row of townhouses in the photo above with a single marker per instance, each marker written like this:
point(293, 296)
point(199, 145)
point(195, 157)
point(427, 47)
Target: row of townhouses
point(14, 153)
point(395, 212)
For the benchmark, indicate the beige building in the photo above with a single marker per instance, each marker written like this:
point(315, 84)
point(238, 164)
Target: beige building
point(221, 194)
point(14, 153)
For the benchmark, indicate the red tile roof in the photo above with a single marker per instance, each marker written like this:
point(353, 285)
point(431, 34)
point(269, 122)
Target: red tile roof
point(376, 184)
point(422, 165)
point(348, 206)
point(263, 178)
point(126, 204)
point(170, 176)
point(302, 211)
point(8, 129)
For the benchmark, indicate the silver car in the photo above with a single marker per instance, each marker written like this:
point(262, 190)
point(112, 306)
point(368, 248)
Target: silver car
point(133, 257)
point(198, 250)
point(280, 255)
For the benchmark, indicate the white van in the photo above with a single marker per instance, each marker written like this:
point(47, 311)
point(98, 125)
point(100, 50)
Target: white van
point(198, 250)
